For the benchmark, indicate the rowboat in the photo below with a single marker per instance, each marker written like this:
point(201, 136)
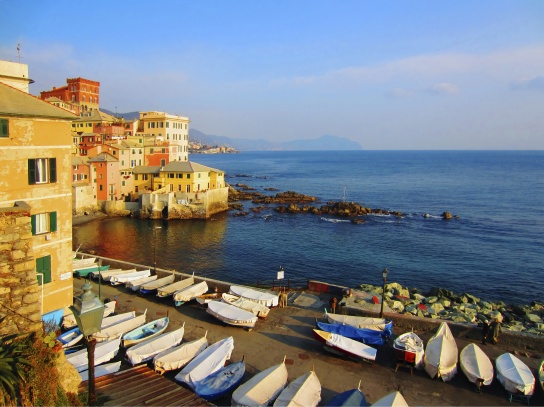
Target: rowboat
point(263, 388)
point(84, 272)
point(345, 345)
point(409, 349)
point(366, 336)
point(231, 315)
point(265, 298)
point(206, 298)
point(395, 399)
point(207, 362)
point(115, 319)
point(222, 382)
point(107, 275)
point(101, 370)
point(82, 263)
point(145, 332)
point(135, 285)
point(170, 289)
point(476, 365)
point(152, 286)
point(378, 324)
point(351, 398)
point(514, 375)
point(189, 293)
point(247, 305)
point(70, 338)
point(303, 391)
point(441, 354)
point(178, 356)
point(124, 278)
point(117, 330)
point(147, 350)
point(69, 321)
point(104, 352)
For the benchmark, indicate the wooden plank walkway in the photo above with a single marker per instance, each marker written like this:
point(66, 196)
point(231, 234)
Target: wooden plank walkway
point(141, 386)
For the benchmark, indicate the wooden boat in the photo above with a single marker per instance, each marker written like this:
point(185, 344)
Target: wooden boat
point(117, 330)
point(84, 272)
point(178, 356)
point(69, 321)
point(70, 338)
point(153, 286)
point(145, 332)
point(366, 336)
point(104, 352)
point(124, 278)
point(101, 370)
point(148, 349)
point(541, 374)
point(345, 345)
point(514, 375)
point(476, 365)
point(207, 362)
point(351, 398)
point(440, 359)
point(206, 298)
point(303, 391)
point(377, 324)
point(190, 293)
point(395, 399)
point(247, 305)
point(409, 349)
point(265, 298)
point(135, 285)
point(107, 275)
point(263, 388)
point(222, 382)
point(115, 319)
point(231, 315)
point(170, 289)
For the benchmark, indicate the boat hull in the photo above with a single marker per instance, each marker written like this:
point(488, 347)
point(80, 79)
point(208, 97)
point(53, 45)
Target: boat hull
point(345, 345)
point(145, 332)
point(222, 382)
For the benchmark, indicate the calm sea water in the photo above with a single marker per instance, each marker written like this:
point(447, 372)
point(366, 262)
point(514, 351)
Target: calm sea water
point(495, 249)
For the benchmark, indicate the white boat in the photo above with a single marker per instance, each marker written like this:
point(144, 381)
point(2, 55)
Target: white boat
point(86, 262)
point(178, 356)
point(395, 399)
point(147, 350)
point(345, 345)
point(124, 278)
point(151, 286)
point(206, 298)
point(207, 362)
point(117, 330)
point(231, 315)
point(378, 324)
point(222, 382)
point(189, 293)
point(303, 391)
point(115, 319)
point(441, 354)
point(104, 352)
point(107, 275)
point(101, 370)
point(170, 289)
point(70, 338)
point(144, 332)
point(409, 349)
point(514, 375)
point(135, 285)
point(265, 298)
point(97, 273)
point(247, 305)
point(69, 321)
point(263, 388)
point(476, 365)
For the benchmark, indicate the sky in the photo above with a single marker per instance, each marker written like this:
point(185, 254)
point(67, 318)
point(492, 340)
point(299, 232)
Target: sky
point(390, 75)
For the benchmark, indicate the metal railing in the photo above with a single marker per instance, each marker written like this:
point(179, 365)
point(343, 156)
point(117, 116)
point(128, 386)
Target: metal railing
point(289, 284)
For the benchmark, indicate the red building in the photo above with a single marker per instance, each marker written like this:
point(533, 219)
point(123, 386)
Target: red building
point(80, 92)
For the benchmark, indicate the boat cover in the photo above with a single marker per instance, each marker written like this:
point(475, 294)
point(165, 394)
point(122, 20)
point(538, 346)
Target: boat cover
point(265, 298)
point(367, 336)
point(101, 370)
point(103, 352)
point(69, 321)
point(221, 382)
point(179, 356)
point(230, 314)
point(410, 342)
point(107, 275)
point(392, 399)
point(476, 365)
point(147, 350)
point(441, 354)
point(124, 278)
point(349, 345)
point(207, 362)
point(158, 283)
point(514, 375)
point(193, 291)
point(377, 324)
point(135, 285)
point(262, 388)
point(303, 391)
point(115, 319)
point(255, 308)
point(146, 331)
point(351, 398)
point(117, 330)
point(172, 288)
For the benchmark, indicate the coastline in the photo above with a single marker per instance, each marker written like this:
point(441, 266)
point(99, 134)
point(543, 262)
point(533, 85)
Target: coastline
point(87, 217)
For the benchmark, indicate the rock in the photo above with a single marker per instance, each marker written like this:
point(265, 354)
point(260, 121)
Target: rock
point(534, 318)
point(431, 300)
point(446, 215)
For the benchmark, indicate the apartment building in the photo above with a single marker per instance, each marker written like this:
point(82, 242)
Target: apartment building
point(164, 127)
point(83, 94)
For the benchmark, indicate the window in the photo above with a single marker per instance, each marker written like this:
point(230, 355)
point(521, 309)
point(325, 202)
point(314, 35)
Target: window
point(43, 270)
point(43, 223)
point(100, 188)
point(170, 175)
point(188, 176)
point(150, 151)
point(135, 177)
point(123, 183)
point(42, 170)
point(4, 127)
point(163, 162)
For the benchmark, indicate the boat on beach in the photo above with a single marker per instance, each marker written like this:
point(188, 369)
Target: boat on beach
point(178, 356)
point(107, 275)
point(104, 352)
point(231, 315)
point(349, 398)
point(366, 336)
point(190, 293)
point(476, 366)
point(304, 391)
point(135, 285)
point(265, 298)
point(222, 382)
point(69, 321)
point(115, 319)
point(124, 278)
point(145, 332)
point(118, 329)
point(345, 345)
point(70, 338)
point(255, 308)
point(377, 324)
point(148, 349)
point(395, 399)
point(101, 370)
point(206, 298)
point(514, 375)
point(170, 289)
point(84, 272)
point(153, 286)
point(82, 263)
point(409, 349)
point(441, 354)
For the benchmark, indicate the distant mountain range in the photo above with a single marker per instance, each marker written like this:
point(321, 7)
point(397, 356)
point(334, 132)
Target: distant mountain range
point(325, 142)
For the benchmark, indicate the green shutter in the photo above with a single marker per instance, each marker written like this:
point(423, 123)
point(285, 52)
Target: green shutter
point(52, 170)
point(52, 221)
point(43, 266)
point(33, 224)
point(31, 171)
point(4, 129)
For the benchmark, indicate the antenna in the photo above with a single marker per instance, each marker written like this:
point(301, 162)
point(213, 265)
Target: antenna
point(19, 51)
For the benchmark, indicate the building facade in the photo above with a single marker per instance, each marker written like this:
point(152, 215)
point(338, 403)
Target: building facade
point(83, 94)
point(172, 129)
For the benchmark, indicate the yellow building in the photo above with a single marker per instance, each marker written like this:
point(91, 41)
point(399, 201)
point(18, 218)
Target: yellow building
point(168, 128)
point(35, 166)
point(189, 177)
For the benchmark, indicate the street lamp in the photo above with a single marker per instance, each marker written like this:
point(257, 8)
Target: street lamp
point(88, 311)
point(155, 248)
point(384, 275)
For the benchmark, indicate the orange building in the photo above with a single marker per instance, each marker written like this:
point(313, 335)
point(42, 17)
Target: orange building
point(83, 94)
point(106, 177)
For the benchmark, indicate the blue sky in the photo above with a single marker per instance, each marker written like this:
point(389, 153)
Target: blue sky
point(387, 74)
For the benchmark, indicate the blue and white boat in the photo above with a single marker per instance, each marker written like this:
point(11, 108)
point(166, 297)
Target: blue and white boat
point(366, 336)
point(70, 338)
point(222, 382)
point(190, 293)
point(153, 286)
point(84, 272)
point(353, 397)
point(149, 348)
point(145, 332)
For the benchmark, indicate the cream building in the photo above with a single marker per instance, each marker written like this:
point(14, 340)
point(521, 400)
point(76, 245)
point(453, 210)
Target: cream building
point(168, 128)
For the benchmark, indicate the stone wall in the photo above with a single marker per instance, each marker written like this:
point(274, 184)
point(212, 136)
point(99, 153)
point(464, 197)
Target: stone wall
point(19, 289)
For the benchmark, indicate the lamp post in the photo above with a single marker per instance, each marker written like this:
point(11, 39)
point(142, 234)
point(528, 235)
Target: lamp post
point(155, 248)
point(384, 275)
point(89, 311)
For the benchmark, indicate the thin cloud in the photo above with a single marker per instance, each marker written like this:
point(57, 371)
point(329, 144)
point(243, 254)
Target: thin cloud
point(535, 83)
point(444, 88)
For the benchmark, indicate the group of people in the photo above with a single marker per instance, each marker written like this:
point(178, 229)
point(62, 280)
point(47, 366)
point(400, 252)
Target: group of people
point(494, 328)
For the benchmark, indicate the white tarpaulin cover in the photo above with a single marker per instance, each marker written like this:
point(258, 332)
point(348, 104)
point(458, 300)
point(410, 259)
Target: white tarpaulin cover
point(514, 375)
point(476, 365)
point(161, 282)
point(262, 388)
point(193, 291)
point(305, 391)
point(103, 352)
point(115, 319)
point(124, 278)
point(135, 285)
point(410, 342)
point(108, 274)
point(254, 307)
point(207, 362)
point(231, 314)
point(145, 351)
point(179, 356)
point(172, 288)
point(441, 354)
point(352, 346)
point(377, 324)
point(394, 399)
point(117, 330)
point(69, 321)
point(264, 298)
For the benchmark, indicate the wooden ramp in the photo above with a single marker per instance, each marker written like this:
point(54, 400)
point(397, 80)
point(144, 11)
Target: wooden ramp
point(141, 386)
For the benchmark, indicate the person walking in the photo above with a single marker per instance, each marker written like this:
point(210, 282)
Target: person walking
point(495, 330)
point(485, 331)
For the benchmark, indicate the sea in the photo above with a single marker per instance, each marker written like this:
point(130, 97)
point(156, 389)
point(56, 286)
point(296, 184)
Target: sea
point(493, 249)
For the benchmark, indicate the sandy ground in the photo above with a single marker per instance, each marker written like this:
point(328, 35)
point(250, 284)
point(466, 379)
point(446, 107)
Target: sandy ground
point(287, 332)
